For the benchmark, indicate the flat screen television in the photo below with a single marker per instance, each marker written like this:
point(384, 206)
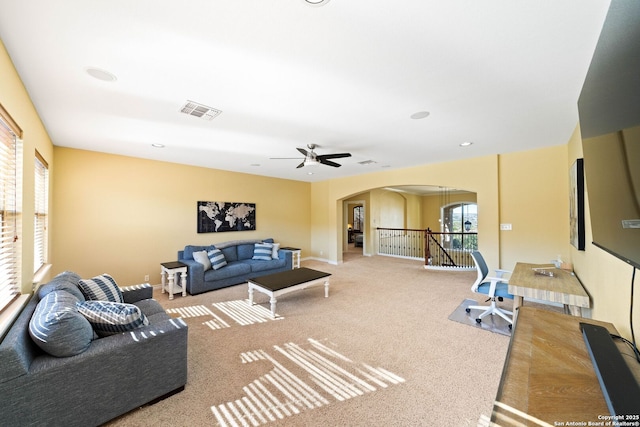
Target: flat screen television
point(609, 110)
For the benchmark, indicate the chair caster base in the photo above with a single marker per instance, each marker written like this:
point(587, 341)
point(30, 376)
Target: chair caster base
point(468, 310)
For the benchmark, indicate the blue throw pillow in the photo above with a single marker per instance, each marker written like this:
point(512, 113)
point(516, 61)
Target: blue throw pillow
point(263, 251)
point(57, 327)
point(101, 288)
point(65, 281)
point(110, 318)
point(217, 259)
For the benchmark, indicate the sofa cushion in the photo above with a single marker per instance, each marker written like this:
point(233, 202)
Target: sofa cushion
point(262, 251)
point(260, 265)
point(190, 249)
point(216, 258)
point(101, 288)
point(202, 258)
point(230, 253)
point(57, 327)
point(66, 281)
point(110, 318)
point(149, 307)
point(232, 269)
point(245, 251)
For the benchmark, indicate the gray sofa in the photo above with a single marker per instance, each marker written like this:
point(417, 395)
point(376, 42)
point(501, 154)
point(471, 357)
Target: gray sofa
point(113, 375)
point(240, 266)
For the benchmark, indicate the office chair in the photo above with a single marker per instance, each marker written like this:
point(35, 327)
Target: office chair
point(494, 287)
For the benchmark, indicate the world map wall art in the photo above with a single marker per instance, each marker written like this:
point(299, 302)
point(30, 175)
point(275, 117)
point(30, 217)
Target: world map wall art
point(216, 217)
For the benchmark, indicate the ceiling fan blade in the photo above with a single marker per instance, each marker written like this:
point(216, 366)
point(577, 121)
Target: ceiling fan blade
point(328, 162)
point(334, 156)
point(300, 165)
point(303, 151)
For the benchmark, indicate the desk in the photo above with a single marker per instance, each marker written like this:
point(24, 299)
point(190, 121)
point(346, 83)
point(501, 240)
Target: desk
point(548, 373)
point(563, 288)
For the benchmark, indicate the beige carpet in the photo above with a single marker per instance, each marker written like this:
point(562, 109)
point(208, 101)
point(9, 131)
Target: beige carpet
point(380, 351)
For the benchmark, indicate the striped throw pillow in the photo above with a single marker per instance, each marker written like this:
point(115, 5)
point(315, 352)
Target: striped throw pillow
point(217, 259)
point(263, 251)
point(101, 288)
point(110, 318)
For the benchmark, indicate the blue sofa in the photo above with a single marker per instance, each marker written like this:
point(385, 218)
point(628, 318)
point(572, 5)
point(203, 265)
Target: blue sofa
point(240, 265)
point(113, 375)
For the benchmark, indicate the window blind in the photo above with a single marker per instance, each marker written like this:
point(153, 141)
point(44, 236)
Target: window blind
point(10, 182)
point(41, 212)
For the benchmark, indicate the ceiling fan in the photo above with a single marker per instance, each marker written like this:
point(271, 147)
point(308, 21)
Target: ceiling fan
point(313, 159)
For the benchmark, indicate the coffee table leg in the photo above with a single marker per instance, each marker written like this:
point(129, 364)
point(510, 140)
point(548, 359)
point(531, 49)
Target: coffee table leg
point(250, 294)
point(273, 305)
point(326, 289)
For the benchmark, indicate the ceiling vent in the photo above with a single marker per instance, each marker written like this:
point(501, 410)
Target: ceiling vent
point(367, 162)
point(198, 110)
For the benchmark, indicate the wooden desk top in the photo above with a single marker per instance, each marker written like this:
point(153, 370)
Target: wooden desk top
point(563, 288)
point(548, 373)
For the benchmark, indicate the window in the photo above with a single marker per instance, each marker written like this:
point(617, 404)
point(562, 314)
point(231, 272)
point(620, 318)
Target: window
point(10, 216)
point(358, 218)
point(462, 219)
point(41, 210)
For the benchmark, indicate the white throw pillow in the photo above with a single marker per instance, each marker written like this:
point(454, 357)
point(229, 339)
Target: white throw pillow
point(202, 258)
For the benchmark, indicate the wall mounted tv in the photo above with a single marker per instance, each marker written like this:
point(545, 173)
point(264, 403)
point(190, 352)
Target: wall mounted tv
point(609, 109)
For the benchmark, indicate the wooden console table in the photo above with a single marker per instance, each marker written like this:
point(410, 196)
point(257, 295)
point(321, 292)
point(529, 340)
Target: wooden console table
point(564, 287)
point(548, 374)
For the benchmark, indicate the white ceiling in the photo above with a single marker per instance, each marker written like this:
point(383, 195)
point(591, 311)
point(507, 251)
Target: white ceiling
point(346, 76)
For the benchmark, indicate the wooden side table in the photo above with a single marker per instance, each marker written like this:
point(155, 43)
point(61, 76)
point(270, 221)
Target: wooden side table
point(296, 252)
point(171, 269)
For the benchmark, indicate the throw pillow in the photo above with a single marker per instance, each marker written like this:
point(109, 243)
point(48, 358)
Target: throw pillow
point(217, 259)
point(110, 318)
point(274, 253)
point(263, 251)
point(202, 258)
point(101, 288)
point(57, 327)
point(65, 281)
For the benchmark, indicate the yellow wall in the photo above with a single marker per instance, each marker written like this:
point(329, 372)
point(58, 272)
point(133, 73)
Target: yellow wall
point(606, 278)
point(124, 216)
point(534, 199)
point(15, 99)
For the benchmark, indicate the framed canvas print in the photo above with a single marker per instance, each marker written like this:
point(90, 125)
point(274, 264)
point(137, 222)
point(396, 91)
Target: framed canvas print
point(576, 204)
point(215, 217)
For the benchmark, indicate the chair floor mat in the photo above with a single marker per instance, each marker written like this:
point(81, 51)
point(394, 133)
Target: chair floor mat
point(492, 323)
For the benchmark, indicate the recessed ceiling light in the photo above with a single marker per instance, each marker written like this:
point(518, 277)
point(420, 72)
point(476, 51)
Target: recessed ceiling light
point(316, 2)
point(466, 144)
point(103, 75)
point(420, 115)
point(255, 164)
point(157, 145)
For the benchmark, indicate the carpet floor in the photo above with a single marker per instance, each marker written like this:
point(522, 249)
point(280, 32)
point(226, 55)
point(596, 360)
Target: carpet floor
point(379, 351)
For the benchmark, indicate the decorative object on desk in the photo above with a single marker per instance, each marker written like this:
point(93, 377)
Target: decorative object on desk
point(216, 217)
point(576, 205)
point(544, 271)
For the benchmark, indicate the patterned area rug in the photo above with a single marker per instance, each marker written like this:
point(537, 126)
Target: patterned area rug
point(492, 323)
